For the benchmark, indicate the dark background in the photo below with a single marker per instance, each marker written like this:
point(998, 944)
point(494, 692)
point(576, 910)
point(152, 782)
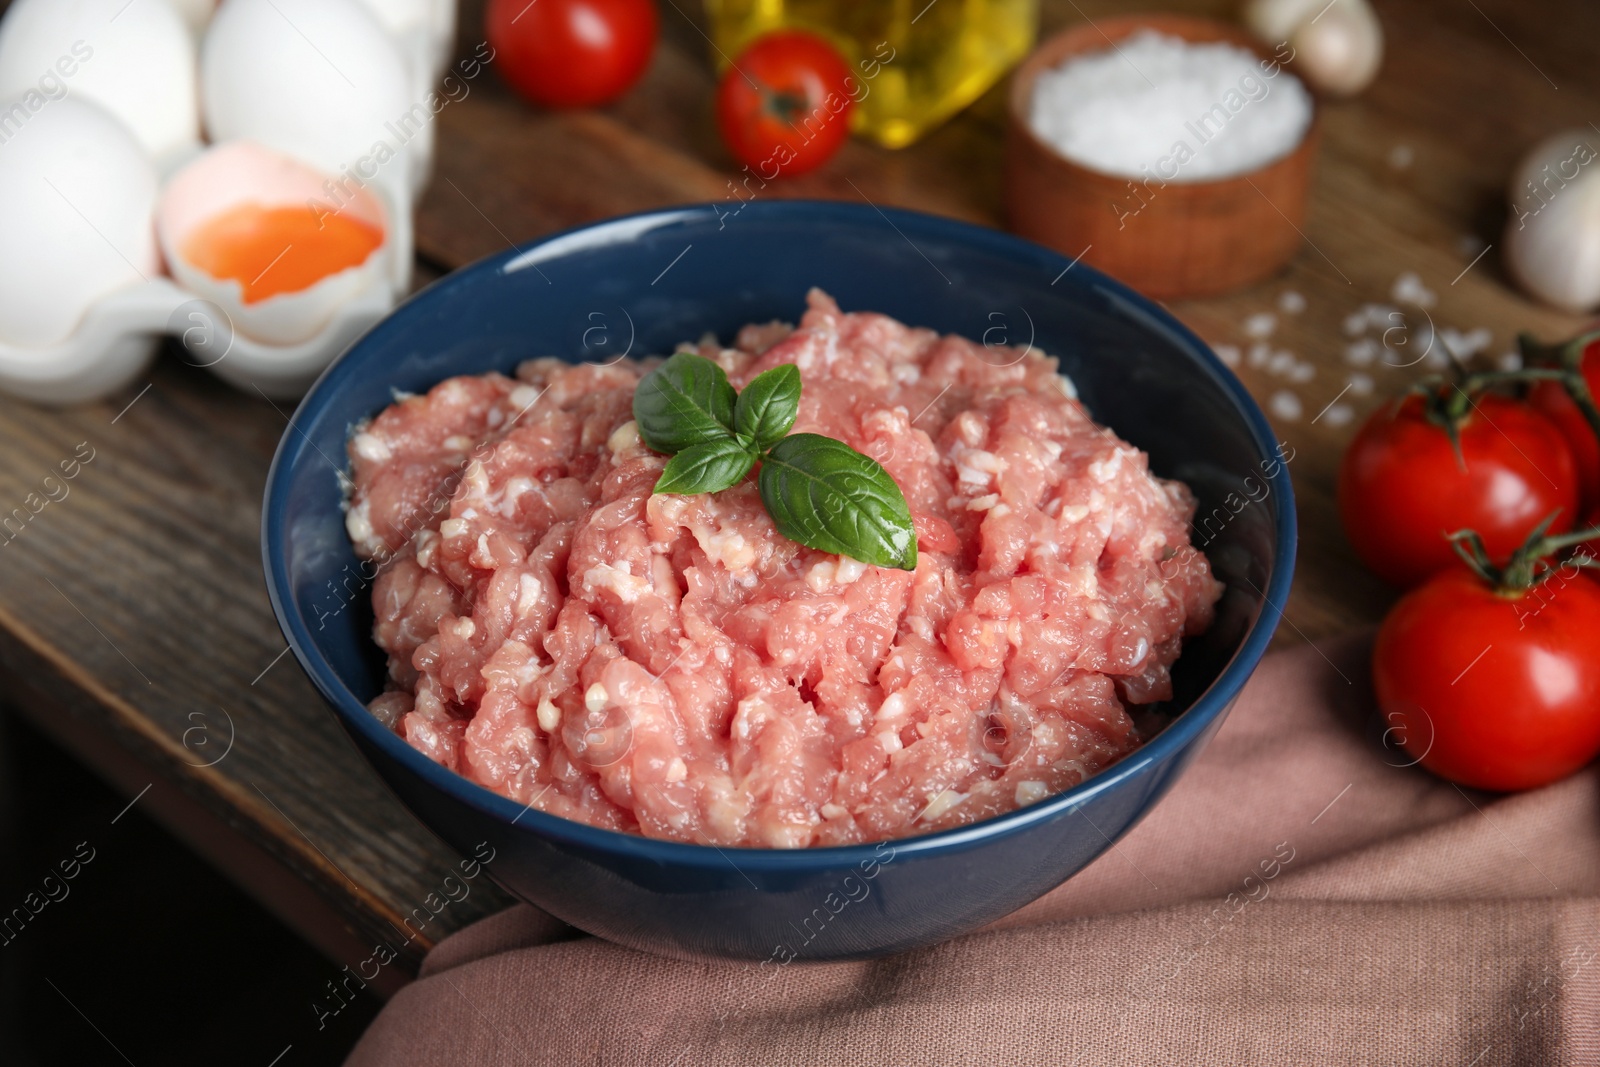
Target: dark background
point(172, 963)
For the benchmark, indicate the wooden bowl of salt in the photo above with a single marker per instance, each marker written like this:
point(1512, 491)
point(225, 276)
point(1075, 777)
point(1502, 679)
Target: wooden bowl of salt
point(1215, 208)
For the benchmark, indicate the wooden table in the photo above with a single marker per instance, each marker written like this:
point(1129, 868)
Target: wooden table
point(134, 626)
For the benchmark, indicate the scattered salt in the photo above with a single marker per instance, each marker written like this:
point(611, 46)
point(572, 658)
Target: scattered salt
point(1355, 323)
point(1164, 109)
point(1291, 302)
point(1465, 345)
point(1259, 354)
point(1509, 361)
point(1285, 405)
point(1416, 342)
point(1400, 156)
point(1260, 325)
point(1338, 414)
point(1408, 289)
point(1302, 373)
point(1381, 314)
point(1361, 353)
point(1360, 385)
point(1281, 362)
point(1229, 354)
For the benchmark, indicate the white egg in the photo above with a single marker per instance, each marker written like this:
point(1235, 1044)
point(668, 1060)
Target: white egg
point(443, 23)
point(321, 81)
point(244, 172)
point(409, 23)
point(80, 195)
point(401, 16)
point(136, 60)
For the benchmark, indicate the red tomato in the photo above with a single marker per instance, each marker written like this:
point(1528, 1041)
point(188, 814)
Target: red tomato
point(1492, 690)
point(784, 104)
point(572, 53)
point(1552, 399)
point(1401, 489)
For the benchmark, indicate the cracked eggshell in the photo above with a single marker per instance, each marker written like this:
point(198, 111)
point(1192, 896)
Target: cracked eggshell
point(135, 60)
point(246, 172)
point(80, 195)
point(319, 80)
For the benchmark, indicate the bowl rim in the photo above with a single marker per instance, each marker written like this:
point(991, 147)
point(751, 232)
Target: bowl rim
point(1185, 728)
point(1107, 33)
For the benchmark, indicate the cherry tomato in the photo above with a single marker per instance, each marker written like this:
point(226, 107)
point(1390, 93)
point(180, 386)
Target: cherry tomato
point(1492, 690)
point(572, 53)
point(1552, 399)
point(784, 105)
point(1401, 488)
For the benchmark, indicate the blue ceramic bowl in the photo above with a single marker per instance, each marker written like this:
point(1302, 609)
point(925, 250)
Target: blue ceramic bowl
point(641, 284)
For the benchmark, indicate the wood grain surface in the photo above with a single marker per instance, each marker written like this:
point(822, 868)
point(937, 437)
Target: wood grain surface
point(133, 620)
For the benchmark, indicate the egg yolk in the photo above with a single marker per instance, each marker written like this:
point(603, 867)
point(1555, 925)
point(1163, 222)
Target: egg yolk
point(281, 249)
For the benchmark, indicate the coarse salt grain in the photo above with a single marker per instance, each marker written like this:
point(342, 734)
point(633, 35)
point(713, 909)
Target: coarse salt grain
point(1381, 314)
point(1285, 405)
point(1408, 289)
point(1465, 345)
point(1291, 302)
point(1260, 325)
point(1426, 340)
point(1229, 354)
point(1361, 353)
point(1166, 109)
point(1338, 414)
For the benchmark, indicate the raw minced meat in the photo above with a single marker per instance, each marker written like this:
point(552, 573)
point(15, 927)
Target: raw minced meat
point(672, 666)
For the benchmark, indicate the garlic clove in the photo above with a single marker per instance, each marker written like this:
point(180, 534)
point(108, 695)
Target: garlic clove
point(1552, 238)
point(197, 13)
point(1272, 21)
point(1340, 52)
point(1337, 46)
point(1551, 165)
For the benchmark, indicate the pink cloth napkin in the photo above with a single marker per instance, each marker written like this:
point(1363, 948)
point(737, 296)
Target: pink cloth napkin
point(1297, 898)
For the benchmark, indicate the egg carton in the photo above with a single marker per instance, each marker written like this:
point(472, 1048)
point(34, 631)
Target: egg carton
point(278, 345)
point(120, 335)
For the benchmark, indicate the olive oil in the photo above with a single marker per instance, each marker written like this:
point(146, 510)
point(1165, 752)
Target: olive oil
point(917, 62)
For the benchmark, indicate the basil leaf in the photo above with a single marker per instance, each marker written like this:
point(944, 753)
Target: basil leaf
point(767, 406)
point(708, 468)
point(684, 402)
point(826, 495)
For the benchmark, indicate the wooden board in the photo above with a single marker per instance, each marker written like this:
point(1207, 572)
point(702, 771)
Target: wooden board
point(133, 620)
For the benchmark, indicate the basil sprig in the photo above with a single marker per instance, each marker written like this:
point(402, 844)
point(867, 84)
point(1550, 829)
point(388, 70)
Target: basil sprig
point(684, 402)
point(820, 492)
